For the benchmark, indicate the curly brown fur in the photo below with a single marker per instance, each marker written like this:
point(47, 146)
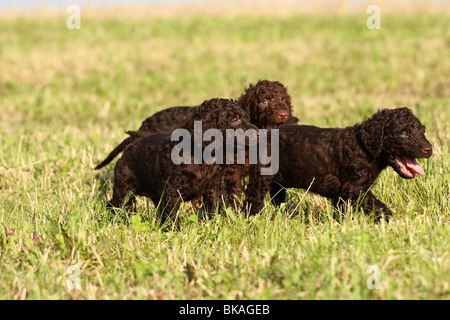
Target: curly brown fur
point(146, 167)
point(267, 104)
point(342, 164)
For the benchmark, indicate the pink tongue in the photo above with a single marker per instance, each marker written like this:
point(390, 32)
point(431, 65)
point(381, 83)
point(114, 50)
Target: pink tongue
point(413, 165)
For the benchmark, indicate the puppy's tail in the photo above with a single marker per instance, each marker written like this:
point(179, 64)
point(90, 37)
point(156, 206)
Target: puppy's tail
point(115, 152)
point(137, 134)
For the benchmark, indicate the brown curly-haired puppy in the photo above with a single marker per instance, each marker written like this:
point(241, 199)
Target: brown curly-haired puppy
point(267, 104)
point(342, 164)
point(146, 167)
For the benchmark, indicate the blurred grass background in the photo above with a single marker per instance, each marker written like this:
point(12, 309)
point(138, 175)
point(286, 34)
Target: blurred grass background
point(67, 95)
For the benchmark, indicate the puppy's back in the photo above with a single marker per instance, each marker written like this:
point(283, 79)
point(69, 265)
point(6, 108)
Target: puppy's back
point(166, 120)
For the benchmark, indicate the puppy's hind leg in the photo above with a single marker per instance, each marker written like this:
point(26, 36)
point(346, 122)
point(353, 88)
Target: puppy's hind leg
point(125, 187)
point(213, 200)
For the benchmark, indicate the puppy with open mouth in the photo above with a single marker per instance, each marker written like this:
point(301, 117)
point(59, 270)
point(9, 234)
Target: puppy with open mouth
point(343, 163)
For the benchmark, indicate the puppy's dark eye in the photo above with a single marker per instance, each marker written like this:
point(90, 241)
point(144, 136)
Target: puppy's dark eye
point(265, 103)
point(404, 134)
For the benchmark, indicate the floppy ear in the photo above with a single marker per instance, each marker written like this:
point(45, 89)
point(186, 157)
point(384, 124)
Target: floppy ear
point(372, 135)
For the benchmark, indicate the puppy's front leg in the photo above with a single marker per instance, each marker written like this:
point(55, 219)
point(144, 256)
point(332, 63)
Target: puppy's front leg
point(256, 191)
point(379, 209)
point(232, 179)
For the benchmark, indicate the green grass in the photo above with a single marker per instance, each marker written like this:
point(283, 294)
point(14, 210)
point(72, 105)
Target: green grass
point(66, 97)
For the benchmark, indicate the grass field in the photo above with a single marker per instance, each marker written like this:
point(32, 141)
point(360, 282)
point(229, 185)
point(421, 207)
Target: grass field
point(67, 95)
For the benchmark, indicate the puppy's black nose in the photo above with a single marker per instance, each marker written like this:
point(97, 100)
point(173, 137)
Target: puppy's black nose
point(427, 151)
